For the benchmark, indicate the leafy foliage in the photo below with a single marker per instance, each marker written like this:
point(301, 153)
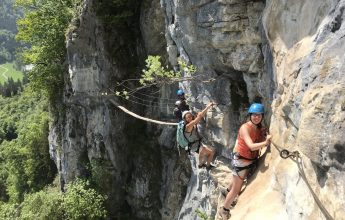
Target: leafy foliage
point(11, 88)
point(25, 164)
point(10, 70)
point(11, 80)
point(43, 28)
point(26, 167)
point(8, 211)
point(202, 215)
point(79, 202)
point(45, 204)
point(157, 75)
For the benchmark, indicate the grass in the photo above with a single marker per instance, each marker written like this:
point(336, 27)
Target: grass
point(7, 70)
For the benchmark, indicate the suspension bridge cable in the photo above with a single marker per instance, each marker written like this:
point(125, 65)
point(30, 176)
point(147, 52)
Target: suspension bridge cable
point(151, 101)
point(150, 96)
point(155, 103)
point(147, 105)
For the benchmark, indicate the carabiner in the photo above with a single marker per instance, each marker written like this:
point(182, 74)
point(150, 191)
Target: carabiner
point(284, 154)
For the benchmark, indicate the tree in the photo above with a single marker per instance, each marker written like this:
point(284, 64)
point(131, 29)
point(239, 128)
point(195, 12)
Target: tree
point(11, 87)
point(43, 29)
point(81, 201)
point(157, 75)
point(25, 164)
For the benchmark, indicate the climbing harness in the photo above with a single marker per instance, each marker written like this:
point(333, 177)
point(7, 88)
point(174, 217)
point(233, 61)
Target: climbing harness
point(251, 167)
point(296, 157)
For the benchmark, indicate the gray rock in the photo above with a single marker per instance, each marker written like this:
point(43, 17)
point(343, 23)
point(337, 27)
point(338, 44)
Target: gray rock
point(287, 54)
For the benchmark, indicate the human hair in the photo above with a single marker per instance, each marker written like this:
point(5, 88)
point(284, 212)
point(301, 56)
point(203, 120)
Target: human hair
point(261, 124)
point(186, 113)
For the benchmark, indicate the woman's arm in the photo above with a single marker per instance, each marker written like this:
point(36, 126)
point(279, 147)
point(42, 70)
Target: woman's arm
point(244, 132)
point(199, 116)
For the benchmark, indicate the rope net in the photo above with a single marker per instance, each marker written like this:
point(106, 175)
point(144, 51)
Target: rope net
point(141, 117)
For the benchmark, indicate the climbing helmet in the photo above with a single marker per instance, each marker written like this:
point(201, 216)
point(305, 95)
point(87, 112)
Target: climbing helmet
point(256, 108)
point(180, 92)
point(184, 113)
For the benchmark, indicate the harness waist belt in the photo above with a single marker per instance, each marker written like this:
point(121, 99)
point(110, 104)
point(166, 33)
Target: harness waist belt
point(242, 157)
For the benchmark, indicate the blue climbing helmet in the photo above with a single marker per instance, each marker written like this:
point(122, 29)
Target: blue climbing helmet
point(180, 92)
point(256, 108)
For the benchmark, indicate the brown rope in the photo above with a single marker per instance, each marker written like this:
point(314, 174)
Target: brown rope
point(140, 117)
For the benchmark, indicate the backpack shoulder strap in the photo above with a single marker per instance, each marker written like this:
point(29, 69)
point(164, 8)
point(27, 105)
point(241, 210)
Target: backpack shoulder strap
point(197, 132)
point(183, 131)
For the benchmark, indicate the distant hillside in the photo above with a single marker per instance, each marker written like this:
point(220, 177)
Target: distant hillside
point(11, 80)
point(7, 71)
point(8, 29)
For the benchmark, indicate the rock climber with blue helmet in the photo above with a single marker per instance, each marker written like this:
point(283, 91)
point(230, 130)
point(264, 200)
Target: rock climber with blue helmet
point(180, 105)
point(250, 140)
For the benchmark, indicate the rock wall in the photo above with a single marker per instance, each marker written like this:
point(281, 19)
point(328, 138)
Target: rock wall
point(223, 40)
point(308, 112)
point(286, 54)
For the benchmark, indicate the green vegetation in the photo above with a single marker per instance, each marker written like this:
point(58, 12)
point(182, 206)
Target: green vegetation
point(79, 202)
point(7, 46)
point(43, 27)
point(156, 74)
point(26, 168)
point(202, 215)
point(7, 71)
point(12, 81)
point(82, 201)
point(25, 164)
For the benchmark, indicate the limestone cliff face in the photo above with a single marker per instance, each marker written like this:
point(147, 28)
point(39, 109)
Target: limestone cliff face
point(286, 54)
point(223, 40)
point(92, 138)
point(306, 40)
point(295, 66)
